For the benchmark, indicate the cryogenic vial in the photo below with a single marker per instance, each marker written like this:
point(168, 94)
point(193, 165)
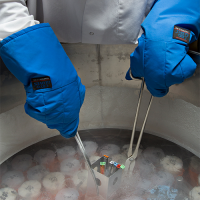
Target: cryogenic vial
point(3, 169)
point(109, 150)
point(65, 152)
point(90, 148)
point(37, 173)
point(80, 179)
point(67, 194)
point(194, 170)
point(69, 166)
point(8, 194)
point(119, 158)
point(54, 181)
point(12, 179)
point(195, 193)
point(22, 162)
point(30, 189)
point(162, 178)
point(173, 165)
point(154, 155)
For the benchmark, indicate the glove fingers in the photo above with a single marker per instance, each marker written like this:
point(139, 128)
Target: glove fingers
point(183, 70)
point(67, 130)
point(188, 66)
point(81, 90)
point(179, 65)
point(34, 113)
point(154, 67)
point(136, 61)
point(157, 92)
point(166, 64)
point(56, 108)
point(128, 77)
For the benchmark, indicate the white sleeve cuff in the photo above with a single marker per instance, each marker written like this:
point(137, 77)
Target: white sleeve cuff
point(14, 16)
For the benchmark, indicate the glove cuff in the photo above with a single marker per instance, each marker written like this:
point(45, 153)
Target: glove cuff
point(35, 53)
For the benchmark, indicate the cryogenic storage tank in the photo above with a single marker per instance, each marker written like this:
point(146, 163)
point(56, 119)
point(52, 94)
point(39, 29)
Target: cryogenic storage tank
point(37, 163)
point(106, 121)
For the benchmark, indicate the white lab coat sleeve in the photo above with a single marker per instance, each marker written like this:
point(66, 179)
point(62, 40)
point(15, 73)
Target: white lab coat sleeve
point(14, 16)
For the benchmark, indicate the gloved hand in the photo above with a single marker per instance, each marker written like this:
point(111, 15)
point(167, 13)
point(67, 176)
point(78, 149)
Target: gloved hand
point(53, 89)
point(161, 56)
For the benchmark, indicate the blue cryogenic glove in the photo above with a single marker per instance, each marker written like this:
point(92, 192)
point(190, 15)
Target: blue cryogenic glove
point(53, 89)
point(161, 56)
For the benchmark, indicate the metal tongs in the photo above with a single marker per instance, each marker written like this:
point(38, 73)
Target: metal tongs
point(130, 162)
point(82, 148)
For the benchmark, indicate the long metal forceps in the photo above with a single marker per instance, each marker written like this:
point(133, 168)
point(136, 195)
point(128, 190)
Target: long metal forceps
point(82, 148)
point(130, 162)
